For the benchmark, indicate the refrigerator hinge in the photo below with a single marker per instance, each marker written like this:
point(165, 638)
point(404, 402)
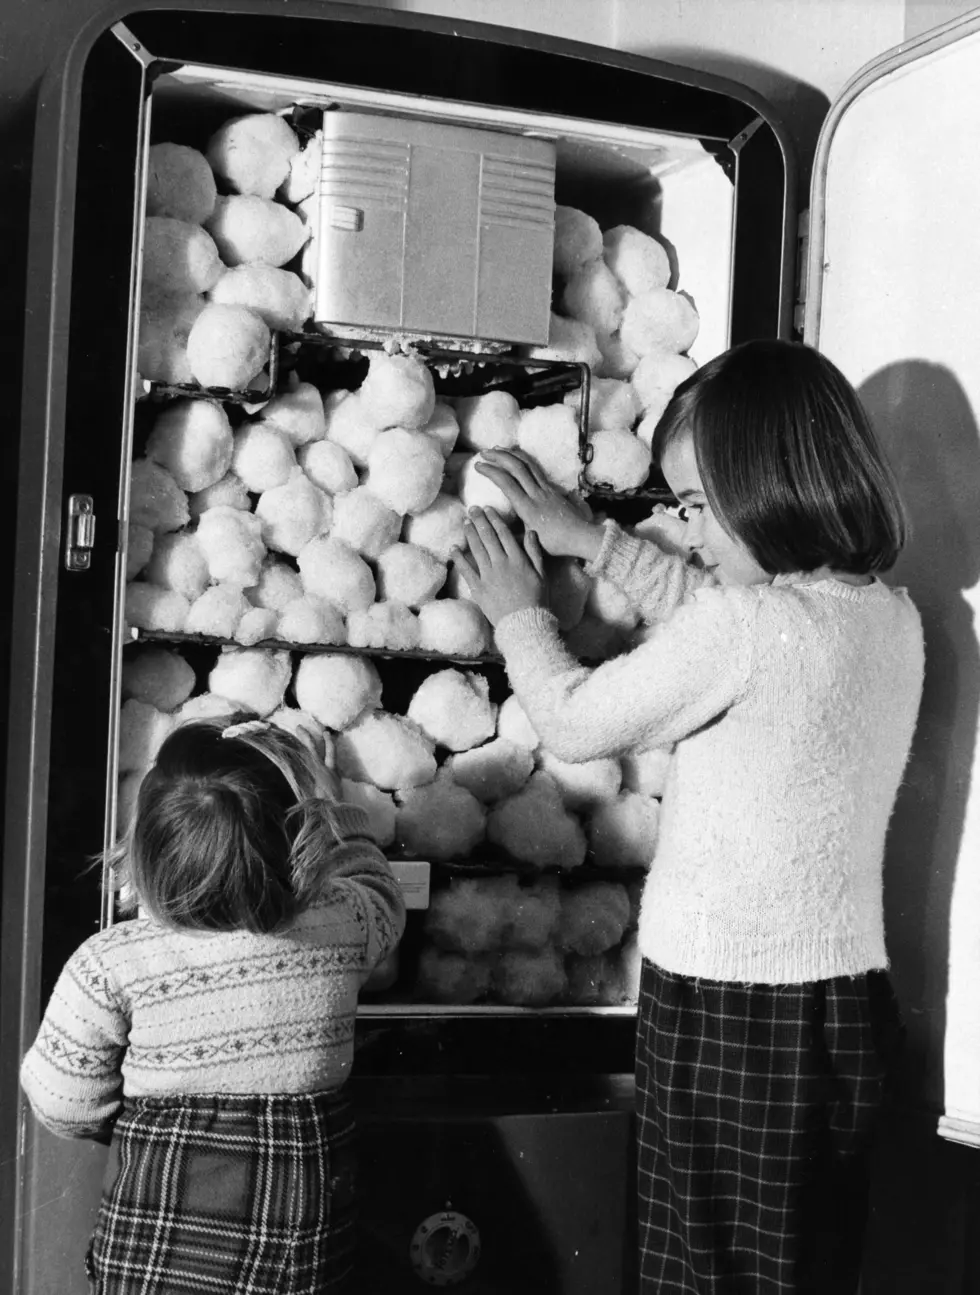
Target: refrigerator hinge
point(135, 47)
point(80, 532)
point(742, 138)
point(802, 254)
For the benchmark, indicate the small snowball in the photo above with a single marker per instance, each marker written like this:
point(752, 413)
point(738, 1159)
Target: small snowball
point(472, 915)
point(578, 239)
point(255, 626)
point(262, 457)
point(645, 772)
point(206, 706)
point(336, 689)
point(178, 563)
point(593, 918)
point(328, 466)
point(409, 574)
point(550, 435)
point(361, 520)
point(304, 172)
point(231, 542)
point(659, 320)
point(166, 320)
point(387, 750)
point(276, 587)
point(397, 391)
point(536, 913)
point(192, 439)
point(618, 361)
point(277, 296)
point(377, 804)
point(496, 769)
point(148, 607)
point(488, 422)
point(571, 341)
point(312, 620)
point(155, 499)
point(477, 491)
point(581, 786)
point(293, 514)
point(159, 678)
point(405, 470)
point(623, 833)
point(297, 412)
point(534, 826)
point(255, 678)
point(439, 528)
point(453, 707)
point(595, 296)
point(451, 977)
point(179, 183)
point(139, 546)
point(217, 612)
point(657, 376)
point(250, 230)
point(228, 346)
point(514, 725)
point(443, 427)
point(179, 257)
point(253, 153)
point(307, 729)
point(620, 460)
point(348, 426)
point(453, 627)
point(612, 403)
point(638, 261)
point(529, 979)
point(440, 821)
point(390, 625)
point(229, 492)
point(333, 570)
point(142, 729)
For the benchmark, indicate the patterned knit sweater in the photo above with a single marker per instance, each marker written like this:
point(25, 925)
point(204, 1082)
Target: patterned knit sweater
point(144, 1010)
point(793, 706)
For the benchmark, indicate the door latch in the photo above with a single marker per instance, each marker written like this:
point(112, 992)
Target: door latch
point(80, 533)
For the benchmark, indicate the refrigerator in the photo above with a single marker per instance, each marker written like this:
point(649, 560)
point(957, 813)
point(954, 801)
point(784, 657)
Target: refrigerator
point(495, 1118)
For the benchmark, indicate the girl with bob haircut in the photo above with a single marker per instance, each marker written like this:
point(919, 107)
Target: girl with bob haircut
point(211, 1036)
point(786, 676)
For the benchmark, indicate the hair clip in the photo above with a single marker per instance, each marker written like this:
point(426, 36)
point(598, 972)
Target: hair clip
point(250, 726)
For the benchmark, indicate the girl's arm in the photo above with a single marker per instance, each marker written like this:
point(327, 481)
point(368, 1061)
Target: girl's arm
point(359, 870)
point(655, 581)
point(72, 1075)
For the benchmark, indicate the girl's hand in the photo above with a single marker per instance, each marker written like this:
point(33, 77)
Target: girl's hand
point(565, 528)
point(502, 577)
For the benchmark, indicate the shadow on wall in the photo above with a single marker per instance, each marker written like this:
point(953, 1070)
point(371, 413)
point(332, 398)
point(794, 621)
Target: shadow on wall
point(927, 424)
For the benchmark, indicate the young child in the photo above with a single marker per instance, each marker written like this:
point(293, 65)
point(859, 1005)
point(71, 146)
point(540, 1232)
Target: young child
point(789, 677)
point(212, 1035)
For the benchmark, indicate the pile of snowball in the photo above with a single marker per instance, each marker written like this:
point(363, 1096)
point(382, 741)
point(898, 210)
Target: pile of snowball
point(214, 286)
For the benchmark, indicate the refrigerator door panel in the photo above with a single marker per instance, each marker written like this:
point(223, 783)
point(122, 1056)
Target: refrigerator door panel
point(893, 297)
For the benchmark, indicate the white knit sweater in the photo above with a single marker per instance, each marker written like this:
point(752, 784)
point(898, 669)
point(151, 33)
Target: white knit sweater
point(793, 706)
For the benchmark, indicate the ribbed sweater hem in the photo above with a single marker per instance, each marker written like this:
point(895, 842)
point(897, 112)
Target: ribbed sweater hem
point(785, 962)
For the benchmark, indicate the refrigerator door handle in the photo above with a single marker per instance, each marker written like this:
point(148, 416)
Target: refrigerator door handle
point(80, 532)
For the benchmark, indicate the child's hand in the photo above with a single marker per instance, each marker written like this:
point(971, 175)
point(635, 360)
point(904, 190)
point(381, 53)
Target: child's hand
point(565, 528)
point(506, 577)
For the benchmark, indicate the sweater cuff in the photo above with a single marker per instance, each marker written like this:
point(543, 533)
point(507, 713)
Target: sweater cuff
point(611, 535)
point(517, 627)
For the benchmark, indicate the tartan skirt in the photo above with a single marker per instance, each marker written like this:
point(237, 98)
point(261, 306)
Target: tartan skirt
point(756, 1107)
point(251, 1195)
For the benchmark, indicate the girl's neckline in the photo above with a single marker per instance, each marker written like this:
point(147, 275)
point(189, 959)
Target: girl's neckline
point(835, 582)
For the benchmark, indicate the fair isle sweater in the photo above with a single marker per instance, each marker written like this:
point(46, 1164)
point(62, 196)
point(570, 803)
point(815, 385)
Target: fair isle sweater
point(145, 1010)
point(793, 706)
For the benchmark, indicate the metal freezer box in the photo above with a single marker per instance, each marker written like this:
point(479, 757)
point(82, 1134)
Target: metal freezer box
point(392, 189)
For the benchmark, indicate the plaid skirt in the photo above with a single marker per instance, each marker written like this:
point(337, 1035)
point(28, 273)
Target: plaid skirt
point(251, 1195)
point(756, 1107)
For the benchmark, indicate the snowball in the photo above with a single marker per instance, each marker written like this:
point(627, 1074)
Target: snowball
point(304, 171)
point(451, 977)
point(311, 620)
point(405, 470)
point(335, 571)
point(439, 528)
point(251, 229)
point(472, 915)
point(231, 542)
point(390, 625)
point(179, 257)
point(529, 979)
point(335, 689)
point(142, 729)
point(620, 460)
point(567, 588)
point(192, 440)
point(139, 546)
point(166, 320)
point(550, 435)
point(571, 341)
point(536, 912)
point(279, 297)
point(595, 982)
point(645, 772)
point(593, 917)
point(361, 520)
point(155, 499)
point(308, 729)
point(229, 492)
point(583, 785)
point(494, 770)
point(228, 346)
point(514, 725)
point(293, 514)
point(440, 821)
point(657, 376)
point(262, 457)
point(255, 678)
point(612, 403)
point(535, 827)
point(477, 491)
point(638, 261)
point(256, 625)
point(595, 296)
point(618, 361)
point(178, 563)
point(328, 466)
point(206, 706)
point(297, 412)
point(488, 422)
point(409, 574)
point(252, 153)
point(454, 708)
point(377, 804)
point(443, 427)
point(159, 678)
point(623, 833)
point(179, 183)
point(387, 750)
point(453, 627)
point(276, 587)
point(609, 604)
point(149, 607)
point(348, 426)
point(578, 239)
point(217, 612)
point(659, 320)
point(397, 391)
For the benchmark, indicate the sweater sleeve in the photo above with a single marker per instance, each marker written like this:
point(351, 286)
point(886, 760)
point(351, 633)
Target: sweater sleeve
point(361, 876)
point(655, 582)
point(72, 1074)
point(695, 664)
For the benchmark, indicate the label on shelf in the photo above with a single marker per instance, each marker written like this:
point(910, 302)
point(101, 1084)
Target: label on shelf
point(413, 877)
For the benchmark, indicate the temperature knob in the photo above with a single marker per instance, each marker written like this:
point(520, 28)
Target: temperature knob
point(445, 1248)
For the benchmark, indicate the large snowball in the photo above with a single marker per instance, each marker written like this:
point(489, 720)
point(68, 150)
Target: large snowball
point(593, 918)
point(514, 725)
point(409, 574)
point(328, 466)
point(454, 708)
point(217, 611)
point(293, 514)
point(439, 528)
point(229, 492)
point(397, 391)
point(550, 435)
point(337, 688)
point(255, 678)
point(477, 491)
point(150, 607)
point(311, 620)
point(179, 256)
point(659, 320)
point(390, 625)
point(535, 827)
point(155, 499)
point(623, 832)
point(160, 678)
point(333, 570)
point(595, 296)
point(361, 520)
point(192, 439)
point(166, 320)
point(440, 821)
point(249, 230)
point(280, 297)
point(179, 563)
point(620, 460)
point(493, 770)
point(612, 403)
point(405, 470)
point(297, 412)
point(656, 377)
point(179, 183)
point(528, 979)
point(348, 425)
point(638, 261)
point(276, 587)
point(387, 750)
point(443, 428)
point(488, 422)
point(578, 239)
point(262, 457)
point(231, 542)
point(453, 627)
point(228, 346)
point(142, 729)
point(253, 153)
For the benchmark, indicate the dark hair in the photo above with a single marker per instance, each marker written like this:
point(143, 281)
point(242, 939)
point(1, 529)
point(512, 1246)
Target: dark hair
point(790, 462)
point(230, 829)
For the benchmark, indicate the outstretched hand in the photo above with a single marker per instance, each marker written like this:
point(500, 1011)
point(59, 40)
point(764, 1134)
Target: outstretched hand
point(564, 526)
point(502, 575)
